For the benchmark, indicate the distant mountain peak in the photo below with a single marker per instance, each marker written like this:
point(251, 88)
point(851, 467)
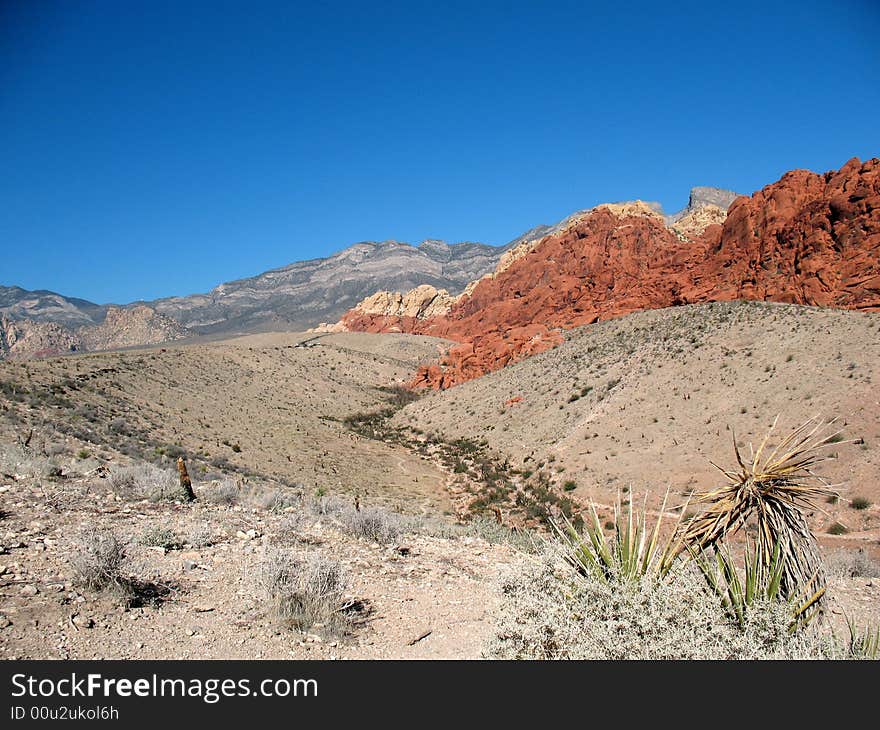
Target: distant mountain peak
point(703, 196)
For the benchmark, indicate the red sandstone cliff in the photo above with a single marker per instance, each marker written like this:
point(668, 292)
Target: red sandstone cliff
point(808, 239)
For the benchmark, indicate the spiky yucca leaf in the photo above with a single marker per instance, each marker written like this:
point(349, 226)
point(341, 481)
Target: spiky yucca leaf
point(774, 490)
point(631, 552)
point(863, 644)
point(761, 582)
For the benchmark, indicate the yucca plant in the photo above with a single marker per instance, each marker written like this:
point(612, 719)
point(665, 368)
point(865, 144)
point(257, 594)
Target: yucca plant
point(633, 550)
point(772, 490)
point(761, 582)
point(863, 644)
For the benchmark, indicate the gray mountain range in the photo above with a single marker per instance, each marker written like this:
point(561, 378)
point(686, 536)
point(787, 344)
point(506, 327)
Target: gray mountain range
point(306, 293)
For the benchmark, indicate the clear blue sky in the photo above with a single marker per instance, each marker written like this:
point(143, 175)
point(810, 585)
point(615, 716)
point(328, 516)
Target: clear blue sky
point(156, 148)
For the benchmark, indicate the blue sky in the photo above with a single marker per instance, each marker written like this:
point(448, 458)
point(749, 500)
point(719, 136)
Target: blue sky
point(157, 148)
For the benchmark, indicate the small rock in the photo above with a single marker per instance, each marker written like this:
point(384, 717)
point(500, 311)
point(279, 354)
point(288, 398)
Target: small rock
point(29, 590)
point(4, 622)
point(189, 565)
point(203, 609)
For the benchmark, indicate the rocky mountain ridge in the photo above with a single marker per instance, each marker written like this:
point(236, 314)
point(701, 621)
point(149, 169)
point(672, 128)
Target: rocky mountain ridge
point(121, 327)
point(807, 239)
point(305, 293)
point(294, 297)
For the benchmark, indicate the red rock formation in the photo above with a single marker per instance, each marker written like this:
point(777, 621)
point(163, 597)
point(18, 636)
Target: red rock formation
point(807, 239)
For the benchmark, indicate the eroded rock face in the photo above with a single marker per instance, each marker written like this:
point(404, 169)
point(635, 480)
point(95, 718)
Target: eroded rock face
point(695, 223)
point(122, 327)
point(420, 303)
point(129, 327)
point(807, 239)
point(704, 197)
point(20, 340)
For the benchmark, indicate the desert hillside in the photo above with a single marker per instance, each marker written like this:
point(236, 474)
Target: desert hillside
point(645, 401)
point(300, 467)
point(267, 406)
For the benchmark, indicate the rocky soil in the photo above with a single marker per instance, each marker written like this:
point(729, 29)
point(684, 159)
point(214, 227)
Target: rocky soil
point(416, 597)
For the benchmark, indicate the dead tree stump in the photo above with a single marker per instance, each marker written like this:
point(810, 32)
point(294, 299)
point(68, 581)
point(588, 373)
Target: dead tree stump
point(185, 482)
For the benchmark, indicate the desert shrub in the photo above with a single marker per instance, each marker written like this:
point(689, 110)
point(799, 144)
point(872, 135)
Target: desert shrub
point(16, 459)
point(200, 537)
point(119, 425)
point(372, 523)
point(328, 505)
point(859, 503)
point(145, 481)
point(851, 564)
point(496, 534)
point(291, 526)
point(97, 558)
point(305, 591)
point(227, 491)
point(630, 595)
point(160, 537)
point(274, 500)
point(551, 611)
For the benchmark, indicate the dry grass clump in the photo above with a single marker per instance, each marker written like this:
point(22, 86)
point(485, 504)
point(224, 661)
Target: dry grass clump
point(97, 558)
point(327, 505)
point(306, 590)
point(851, 564)
point(145, 481)
point(227, 491)
point(291, 527)
point(373, 523)
point(497, 534)
point(201, 536)
point(274, 499)
point(161, 537)
point(23, 461)
point(234, 492)
point(370, 523)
